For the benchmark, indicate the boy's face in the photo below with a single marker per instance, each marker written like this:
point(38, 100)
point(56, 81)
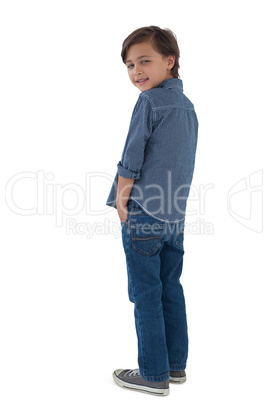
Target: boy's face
point(146, 67)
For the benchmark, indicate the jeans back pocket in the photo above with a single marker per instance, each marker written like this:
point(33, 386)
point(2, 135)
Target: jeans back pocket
point(147, 238)
point(179, 239)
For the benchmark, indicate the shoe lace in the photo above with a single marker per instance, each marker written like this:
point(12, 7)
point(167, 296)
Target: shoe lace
point(132, 373)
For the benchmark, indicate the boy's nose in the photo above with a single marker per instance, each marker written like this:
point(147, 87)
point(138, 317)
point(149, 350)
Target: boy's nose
point(137, 71)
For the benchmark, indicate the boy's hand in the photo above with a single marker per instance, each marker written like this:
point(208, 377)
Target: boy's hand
point(122, 212)
point(123, 192)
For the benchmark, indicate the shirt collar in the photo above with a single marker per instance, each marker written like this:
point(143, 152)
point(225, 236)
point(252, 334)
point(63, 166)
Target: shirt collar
point(171, 83)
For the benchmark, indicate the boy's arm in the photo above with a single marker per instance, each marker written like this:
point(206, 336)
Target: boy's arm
point(129, 168)
point(123, 191)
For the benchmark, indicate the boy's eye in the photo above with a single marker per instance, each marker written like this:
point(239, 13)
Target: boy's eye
point(142, 62)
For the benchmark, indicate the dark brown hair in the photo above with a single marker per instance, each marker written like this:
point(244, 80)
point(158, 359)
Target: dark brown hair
point(163, 41)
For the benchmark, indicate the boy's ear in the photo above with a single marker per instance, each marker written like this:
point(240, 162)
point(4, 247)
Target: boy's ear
point(171, 61)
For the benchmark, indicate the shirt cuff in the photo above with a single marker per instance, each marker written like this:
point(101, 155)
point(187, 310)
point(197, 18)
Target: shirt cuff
point(127, 173)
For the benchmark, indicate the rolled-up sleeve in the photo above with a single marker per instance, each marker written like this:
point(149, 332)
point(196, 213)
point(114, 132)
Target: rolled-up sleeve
point(139, 132)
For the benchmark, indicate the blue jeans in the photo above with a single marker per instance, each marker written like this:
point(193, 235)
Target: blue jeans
point(154, 257)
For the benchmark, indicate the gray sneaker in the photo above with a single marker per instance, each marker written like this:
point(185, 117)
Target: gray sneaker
point(177, 377)
point(132, 380)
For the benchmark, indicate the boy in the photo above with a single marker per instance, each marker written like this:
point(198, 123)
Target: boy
point(150, 192)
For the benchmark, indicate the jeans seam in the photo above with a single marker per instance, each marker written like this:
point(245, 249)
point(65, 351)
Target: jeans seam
point(141, 337)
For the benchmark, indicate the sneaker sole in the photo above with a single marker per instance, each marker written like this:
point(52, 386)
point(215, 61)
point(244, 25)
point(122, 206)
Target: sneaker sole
point(140, 388)
point(177, 380)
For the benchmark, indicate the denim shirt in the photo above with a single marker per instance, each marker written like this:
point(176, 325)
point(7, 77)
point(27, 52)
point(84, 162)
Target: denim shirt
point(159, 152)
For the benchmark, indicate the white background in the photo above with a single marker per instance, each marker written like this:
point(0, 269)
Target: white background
point(66, 101)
